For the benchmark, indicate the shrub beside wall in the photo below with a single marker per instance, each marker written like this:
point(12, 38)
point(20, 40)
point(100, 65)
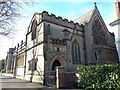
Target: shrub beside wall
point(3, 71)
point(9, 71)
point(99, 76)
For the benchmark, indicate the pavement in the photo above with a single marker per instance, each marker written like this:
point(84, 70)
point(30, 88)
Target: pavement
point(10, 83)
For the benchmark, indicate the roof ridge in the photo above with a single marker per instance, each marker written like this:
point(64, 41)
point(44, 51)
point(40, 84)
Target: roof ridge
point(85, 17)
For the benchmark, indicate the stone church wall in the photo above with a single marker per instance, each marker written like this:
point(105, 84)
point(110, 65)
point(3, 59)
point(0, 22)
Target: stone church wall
point(35, 55)
point(90, 45)
point(54, 36)
point(109, 55)
point(65, 48)
point(50, 38)
point(20, 65)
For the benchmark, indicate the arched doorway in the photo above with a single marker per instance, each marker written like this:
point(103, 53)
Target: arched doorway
point(55, 64)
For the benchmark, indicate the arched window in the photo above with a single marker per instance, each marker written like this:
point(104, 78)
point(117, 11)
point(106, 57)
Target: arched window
point(99, 35)
point(96, 56)
point(33, 29)
point(73, 54)
point(79, 54)
point(76, 57)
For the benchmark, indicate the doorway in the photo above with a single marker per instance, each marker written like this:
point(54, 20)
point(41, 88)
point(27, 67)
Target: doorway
point(55, 64)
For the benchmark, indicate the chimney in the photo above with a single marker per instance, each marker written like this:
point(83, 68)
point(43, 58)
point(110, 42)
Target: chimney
point(117, 5)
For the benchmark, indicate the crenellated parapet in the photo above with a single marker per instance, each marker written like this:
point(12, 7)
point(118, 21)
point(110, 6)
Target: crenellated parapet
point(60, 21)
point(20, 48)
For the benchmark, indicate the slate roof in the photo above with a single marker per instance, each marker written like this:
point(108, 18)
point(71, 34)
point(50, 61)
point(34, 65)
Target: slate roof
point(85, 18)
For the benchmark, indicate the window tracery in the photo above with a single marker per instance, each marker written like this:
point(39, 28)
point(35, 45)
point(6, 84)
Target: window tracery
point(99, 35)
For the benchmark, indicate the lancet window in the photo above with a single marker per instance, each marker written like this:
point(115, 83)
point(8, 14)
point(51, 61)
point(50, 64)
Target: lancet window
point(76, 57)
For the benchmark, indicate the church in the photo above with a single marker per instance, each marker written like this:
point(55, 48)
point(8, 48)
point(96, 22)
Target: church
point(53, 41)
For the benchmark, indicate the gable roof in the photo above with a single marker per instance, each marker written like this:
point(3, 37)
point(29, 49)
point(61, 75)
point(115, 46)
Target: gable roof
point(85, 18)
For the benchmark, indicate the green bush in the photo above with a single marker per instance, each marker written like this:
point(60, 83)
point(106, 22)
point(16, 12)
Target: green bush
point(9, 71)
point(99, 76)
point(3, 71)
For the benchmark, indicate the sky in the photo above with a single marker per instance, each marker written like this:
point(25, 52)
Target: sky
point(66, 9)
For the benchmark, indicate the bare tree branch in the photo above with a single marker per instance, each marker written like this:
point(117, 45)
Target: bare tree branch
point(8, 14)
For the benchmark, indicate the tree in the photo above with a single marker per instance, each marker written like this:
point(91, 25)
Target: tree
point(2, 64)
point(8, 14)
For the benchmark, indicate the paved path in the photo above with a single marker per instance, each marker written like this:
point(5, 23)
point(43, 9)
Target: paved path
point(9, 83)
point(16, 84)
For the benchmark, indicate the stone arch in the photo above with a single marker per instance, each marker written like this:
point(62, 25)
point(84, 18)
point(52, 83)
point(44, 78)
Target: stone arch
point(55, 64)
point(60, 59)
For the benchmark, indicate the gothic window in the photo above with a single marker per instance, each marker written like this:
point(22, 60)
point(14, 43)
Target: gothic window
point(58, 49)
point(96, 56)
point(99, 35)
point(73, 53)
point(97, 25)
point(79, 54)
point(32, 65)
point(76, 58)
point(33, 29)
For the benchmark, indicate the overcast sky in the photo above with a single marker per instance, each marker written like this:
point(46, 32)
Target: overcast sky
point(69, 10)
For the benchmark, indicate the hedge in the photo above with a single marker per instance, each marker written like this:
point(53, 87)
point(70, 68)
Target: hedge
point(9, 71)
point(99, 76)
